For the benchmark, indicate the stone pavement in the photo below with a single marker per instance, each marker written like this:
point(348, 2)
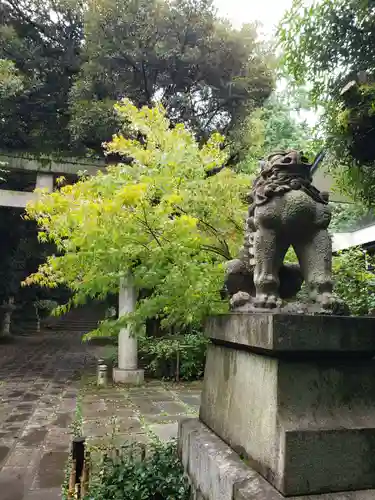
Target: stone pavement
point(42, 394)
point(39, 382)
point(117, 415)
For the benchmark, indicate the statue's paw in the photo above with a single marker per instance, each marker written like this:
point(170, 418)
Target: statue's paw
point(274, 302)
point(331, 304)
point(239, 299)
point(265, 301)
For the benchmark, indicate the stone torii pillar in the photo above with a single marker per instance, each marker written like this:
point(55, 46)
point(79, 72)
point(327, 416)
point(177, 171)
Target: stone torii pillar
point(44, 181)
point(127, 371)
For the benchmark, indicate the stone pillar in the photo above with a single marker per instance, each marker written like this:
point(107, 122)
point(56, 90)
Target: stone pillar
point(127, 371)
point(290, 397)
point(44, 181)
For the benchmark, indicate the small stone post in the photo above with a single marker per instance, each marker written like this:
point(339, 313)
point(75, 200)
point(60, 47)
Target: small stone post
point(102, 375)
point(127, 371)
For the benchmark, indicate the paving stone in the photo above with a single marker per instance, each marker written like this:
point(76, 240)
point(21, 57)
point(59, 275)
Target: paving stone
point(18, 417)
point(58, 438)
point(63, 419)
point(14, 481)
point(190, 400)
point(34, 419)
point(50, 473)
point(4, 450)
point(30, 396)
point(46, 494)
point(22, 457)
point(146, 406)
point(161, 397)
point(172, 408)
point(165, 432)
point(163, 419)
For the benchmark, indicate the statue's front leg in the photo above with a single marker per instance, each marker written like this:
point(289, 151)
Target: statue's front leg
point(268, 256)
point(315, 257)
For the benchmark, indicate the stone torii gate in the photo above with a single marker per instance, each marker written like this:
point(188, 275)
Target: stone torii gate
point(47, 169)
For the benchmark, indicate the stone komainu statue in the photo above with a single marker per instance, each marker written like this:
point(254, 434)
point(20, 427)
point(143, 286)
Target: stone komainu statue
point(285, 210)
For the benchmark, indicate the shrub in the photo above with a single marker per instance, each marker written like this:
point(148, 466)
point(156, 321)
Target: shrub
point(354, 283)
point(128, 475)
point(174, 356)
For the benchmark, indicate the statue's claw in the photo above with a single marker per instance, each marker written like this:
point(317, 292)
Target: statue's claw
point(331, 304)
point(264, 301)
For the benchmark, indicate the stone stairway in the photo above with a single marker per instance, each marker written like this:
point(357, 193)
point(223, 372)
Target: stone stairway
point(81, 320)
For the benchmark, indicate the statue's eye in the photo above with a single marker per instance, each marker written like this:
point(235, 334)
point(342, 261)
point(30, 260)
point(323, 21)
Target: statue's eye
point(287, 159)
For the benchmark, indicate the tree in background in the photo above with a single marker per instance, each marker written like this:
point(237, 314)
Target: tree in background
point(354, 283)
point(274, 126)
point(67, 62)
point(206, 74)
point(11, 83)
point(328, 45)
point(159, 217)
point(349, 217)
point(40, 42)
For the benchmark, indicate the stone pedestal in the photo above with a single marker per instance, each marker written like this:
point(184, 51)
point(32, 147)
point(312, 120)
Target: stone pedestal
point(294, 397)
point(127, 371)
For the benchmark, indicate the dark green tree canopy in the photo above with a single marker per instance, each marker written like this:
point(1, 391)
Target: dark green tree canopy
point(205, 73)
point(42, 39)
point(64, 63)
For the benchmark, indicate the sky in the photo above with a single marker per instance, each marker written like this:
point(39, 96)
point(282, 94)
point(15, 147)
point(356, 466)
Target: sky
point(268, 12)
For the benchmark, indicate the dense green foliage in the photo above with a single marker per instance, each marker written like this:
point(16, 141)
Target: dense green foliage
point(327, 45)
point(274, 126)
point(40, 45)
point(129, 476)
point(350, 216)
point(353, 282)
point(174, 357)
point(64, 63)
point(160, 218)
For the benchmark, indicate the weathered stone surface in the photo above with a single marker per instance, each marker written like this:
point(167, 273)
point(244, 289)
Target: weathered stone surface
point(288, 333)
point(307, 424)
point(259, 489)
point(216, 472)
point(212, 466)
point(285, 210)
point(131, 377)
point(165, 431)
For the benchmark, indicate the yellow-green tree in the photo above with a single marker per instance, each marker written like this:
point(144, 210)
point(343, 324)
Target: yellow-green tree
point(161, 218)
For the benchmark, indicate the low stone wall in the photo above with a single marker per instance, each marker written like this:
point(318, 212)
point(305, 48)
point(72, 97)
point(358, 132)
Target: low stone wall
point(216, 472)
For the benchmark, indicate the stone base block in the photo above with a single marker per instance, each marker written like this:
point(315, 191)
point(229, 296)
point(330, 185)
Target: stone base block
point(128, 377)
point(295, 396)
point(216, 472)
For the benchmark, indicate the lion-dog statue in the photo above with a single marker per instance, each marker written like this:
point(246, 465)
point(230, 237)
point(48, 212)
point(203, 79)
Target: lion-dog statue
point(285, 210)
